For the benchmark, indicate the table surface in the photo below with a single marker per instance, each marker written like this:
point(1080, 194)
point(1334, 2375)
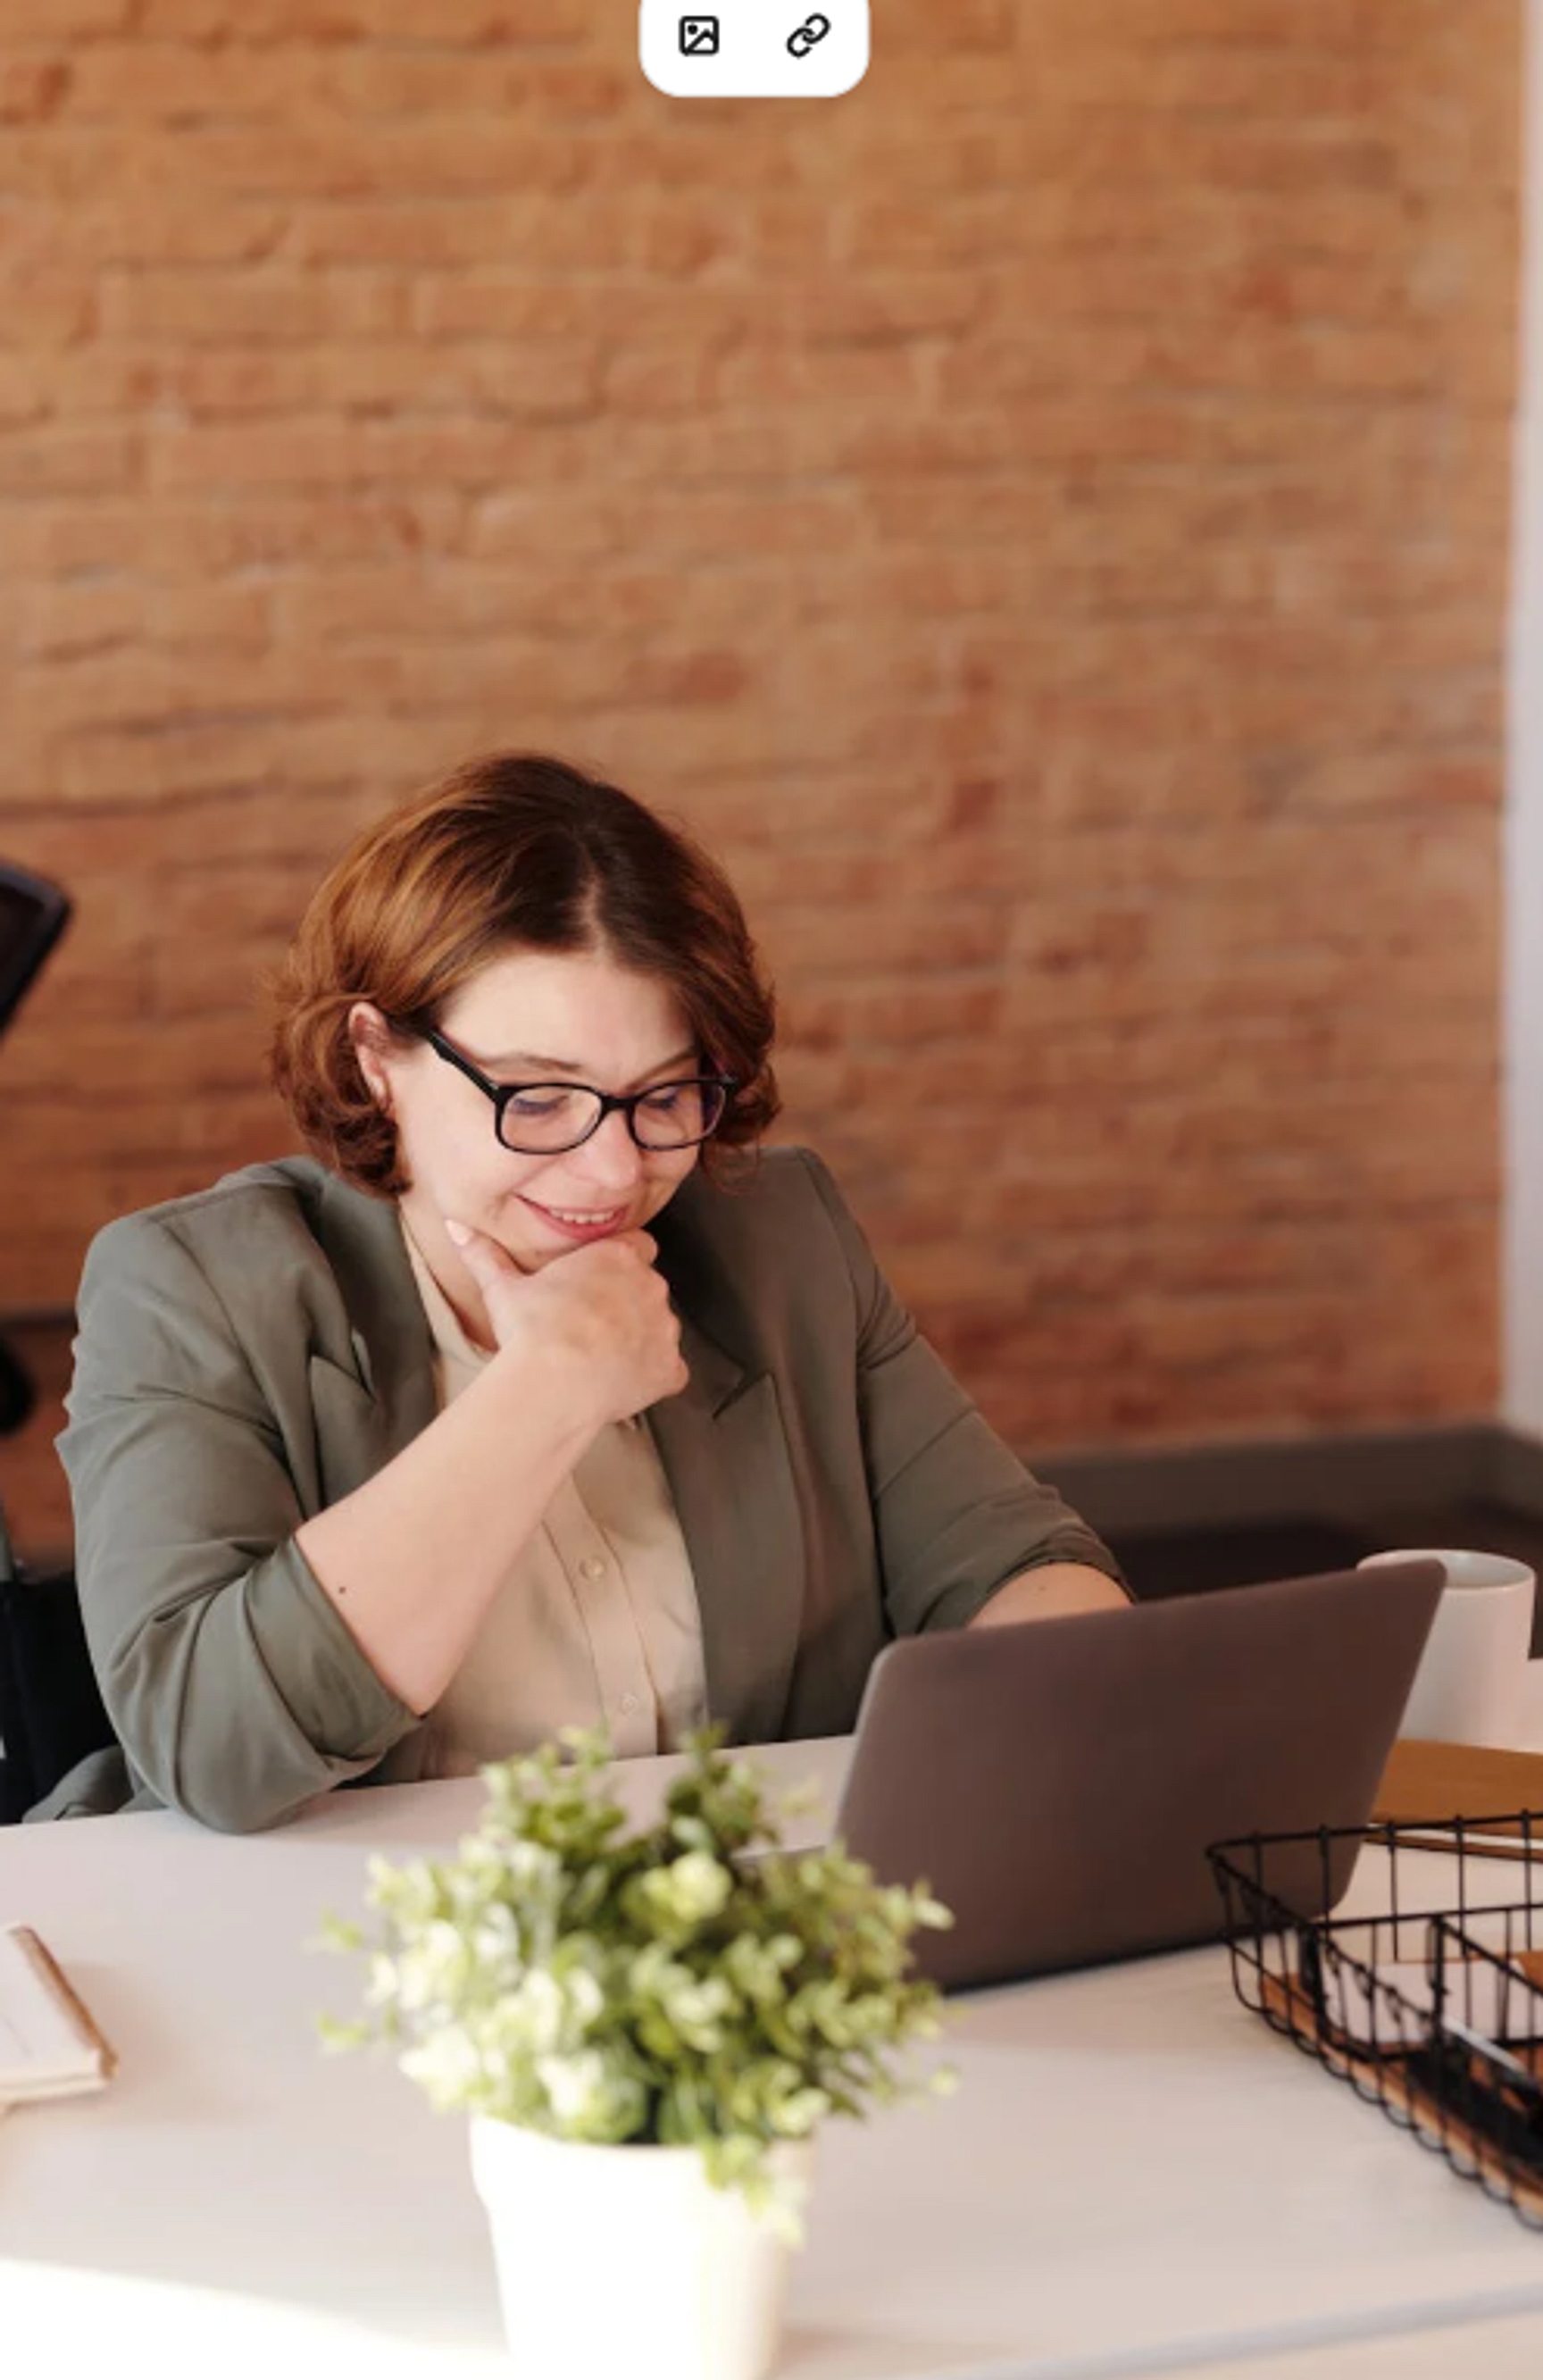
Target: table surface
point(1133, 2174)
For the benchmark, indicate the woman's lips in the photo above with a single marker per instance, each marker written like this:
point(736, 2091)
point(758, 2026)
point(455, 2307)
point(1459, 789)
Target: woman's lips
point(597, 1224)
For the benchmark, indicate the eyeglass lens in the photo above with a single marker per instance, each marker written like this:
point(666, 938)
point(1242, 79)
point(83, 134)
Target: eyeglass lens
point(544, 1117)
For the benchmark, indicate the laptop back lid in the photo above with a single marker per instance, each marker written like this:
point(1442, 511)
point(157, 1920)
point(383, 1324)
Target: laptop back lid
point(1057, 1784)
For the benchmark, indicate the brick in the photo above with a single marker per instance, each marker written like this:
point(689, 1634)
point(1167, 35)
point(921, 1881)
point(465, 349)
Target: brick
point(241, 530)
point(161, 82)
point(31, 90)
point(377, 81)
point(474, 24)
point(321, 451)
point(835, 309)
point(714, 527)
point(458, 601)
point(60, 21)
point(42, 310)
point(59, 161)
point(149, 228)
point(57, 622)
point(988, 25)
point(542, 380)
point(123, 1062)
point(400, 230)
point(209, 306)
point(52, 458)
point(866, 377)
point(143, 376)
point(23, 390)
point(325, 157)
point(884, 232)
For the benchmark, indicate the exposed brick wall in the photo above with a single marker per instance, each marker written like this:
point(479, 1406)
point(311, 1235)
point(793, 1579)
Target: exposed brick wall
point(1044, 517)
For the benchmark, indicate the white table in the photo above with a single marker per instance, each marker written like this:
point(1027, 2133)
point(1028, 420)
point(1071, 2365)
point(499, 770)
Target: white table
point(1508, 2348)
point(1135, 2175)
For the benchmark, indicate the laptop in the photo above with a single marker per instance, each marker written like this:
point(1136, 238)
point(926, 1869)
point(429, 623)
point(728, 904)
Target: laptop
point(1057, 1784)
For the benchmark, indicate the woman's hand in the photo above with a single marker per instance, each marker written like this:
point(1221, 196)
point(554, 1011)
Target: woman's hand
point(606, 1308)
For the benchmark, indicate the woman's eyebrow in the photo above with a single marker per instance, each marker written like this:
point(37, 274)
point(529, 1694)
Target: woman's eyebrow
point(570, 1070)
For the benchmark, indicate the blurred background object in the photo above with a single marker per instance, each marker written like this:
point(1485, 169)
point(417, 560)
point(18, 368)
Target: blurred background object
point(33, 914)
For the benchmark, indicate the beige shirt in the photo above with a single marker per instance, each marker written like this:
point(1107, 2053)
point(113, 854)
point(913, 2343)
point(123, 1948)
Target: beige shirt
point(596, 1624)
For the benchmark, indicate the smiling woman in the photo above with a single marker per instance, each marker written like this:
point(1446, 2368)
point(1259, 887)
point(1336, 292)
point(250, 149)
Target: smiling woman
point(541, 1394)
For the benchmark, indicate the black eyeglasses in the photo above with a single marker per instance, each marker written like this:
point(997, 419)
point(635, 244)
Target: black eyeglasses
point(543, 1119)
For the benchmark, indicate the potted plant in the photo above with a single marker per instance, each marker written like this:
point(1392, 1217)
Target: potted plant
point(647, 2025)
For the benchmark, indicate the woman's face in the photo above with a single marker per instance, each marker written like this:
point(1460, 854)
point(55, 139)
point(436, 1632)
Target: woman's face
point(531, 1016)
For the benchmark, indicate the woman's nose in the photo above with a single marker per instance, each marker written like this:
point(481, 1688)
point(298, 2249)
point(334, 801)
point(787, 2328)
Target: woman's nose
point(610, 1156)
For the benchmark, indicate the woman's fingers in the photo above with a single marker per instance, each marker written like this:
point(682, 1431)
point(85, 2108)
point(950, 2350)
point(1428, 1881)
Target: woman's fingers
point(485, 1259)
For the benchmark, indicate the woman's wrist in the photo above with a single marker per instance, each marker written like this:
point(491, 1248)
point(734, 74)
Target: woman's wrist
point(551, 1388)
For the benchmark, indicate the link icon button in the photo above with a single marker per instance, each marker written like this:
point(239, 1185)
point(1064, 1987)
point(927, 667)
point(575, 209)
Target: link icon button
point(801, 42)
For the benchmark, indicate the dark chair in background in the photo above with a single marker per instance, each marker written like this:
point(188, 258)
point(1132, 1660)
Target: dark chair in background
point(33, 914)
point(50, 1711)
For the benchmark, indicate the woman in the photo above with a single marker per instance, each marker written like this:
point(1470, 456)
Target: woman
point(536, 1398)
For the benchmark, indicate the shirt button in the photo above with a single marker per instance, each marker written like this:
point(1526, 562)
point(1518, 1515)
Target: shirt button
point(592, 1567)
point(629, 1703)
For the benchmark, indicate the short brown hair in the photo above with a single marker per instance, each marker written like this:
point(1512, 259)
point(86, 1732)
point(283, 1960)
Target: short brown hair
point(512, 852)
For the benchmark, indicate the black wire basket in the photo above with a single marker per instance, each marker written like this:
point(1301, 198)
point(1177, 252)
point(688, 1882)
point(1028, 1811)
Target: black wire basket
point(1430, 2000)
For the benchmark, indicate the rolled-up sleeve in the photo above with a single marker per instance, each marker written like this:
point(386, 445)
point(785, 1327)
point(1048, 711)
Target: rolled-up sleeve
point(236, 1689)
point(957, 1513)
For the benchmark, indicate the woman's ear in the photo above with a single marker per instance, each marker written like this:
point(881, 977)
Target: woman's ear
point(370, 1036)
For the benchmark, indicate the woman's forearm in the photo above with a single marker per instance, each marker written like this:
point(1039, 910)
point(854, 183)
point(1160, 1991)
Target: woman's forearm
point(413, 1559)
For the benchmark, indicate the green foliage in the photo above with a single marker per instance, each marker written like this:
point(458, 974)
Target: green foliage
point(600, 1984)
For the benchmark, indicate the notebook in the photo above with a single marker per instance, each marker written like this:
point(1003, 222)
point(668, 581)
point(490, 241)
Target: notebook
point(50, 2043)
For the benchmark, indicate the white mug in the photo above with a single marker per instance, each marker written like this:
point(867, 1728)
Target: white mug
point(1469, 1687)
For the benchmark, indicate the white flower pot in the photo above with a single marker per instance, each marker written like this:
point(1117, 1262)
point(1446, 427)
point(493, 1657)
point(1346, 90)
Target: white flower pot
point(627, 2261)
